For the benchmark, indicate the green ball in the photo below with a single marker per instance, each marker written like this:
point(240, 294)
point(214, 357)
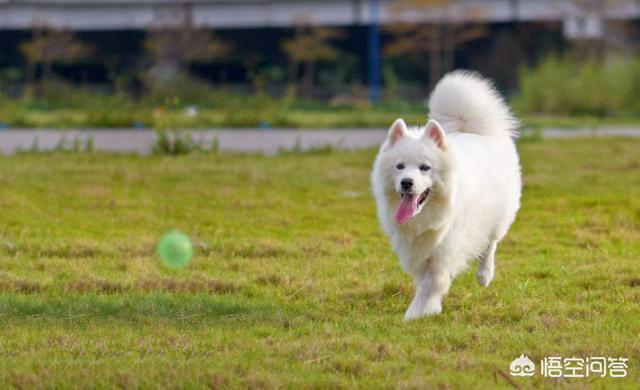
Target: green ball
point(175, 249)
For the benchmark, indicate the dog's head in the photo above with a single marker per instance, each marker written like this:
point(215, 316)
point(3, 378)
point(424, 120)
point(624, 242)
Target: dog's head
point(414, 165)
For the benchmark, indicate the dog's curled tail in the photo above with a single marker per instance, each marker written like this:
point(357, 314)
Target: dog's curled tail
point(467, 102)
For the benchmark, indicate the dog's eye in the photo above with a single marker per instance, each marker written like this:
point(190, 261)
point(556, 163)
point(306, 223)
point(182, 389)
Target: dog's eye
point(424, 167)
point(400, 166)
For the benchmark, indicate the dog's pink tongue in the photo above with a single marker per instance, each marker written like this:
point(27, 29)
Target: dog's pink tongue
point(406, 209)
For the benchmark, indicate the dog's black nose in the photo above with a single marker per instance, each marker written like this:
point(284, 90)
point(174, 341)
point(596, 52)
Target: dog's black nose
point(406, 184)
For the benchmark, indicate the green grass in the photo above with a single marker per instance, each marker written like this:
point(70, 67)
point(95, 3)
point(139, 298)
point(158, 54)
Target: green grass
point(66, 106)
point(208, 118)
point(292, 284)
point(324, 118)
point(576, 122)
point(277, 117)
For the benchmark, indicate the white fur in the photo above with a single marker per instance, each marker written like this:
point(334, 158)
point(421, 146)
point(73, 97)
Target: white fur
point(464, 101)
point(474, 184)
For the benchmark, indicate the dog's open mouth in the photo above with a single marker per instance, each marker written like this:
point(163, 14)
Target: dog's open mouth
point(423, 196)
point(410, 205)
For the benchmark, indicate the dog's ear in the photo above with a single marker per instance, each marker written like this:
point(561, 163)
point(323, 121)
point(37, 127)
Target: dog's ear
point(397, 131)
point(434, 132)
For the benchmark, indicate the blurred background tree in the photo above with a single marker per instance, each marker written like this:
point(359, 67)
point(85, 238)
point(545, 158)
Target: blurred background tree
point(437, 40)
point(173, 49)
point(46, 47)
point(309, 45)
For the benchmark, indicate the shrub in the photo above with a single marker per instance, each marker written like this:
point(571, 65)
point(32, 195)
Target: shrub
point(174, 143)
point(183, 88)
point(562, 86)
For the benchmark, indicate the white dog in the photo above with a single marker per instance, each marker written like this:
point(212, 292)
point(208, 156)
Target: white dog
point(448, 192)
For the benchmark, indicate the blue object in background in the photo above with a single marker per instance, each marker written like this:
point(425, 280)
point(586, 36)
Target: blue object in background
point(137, 125)
point(373, 77)
point(264, 125)
point(3, 125)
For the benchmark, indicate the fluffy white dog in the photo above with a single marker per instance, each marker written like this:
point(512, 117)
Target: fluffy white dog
point(448, 192)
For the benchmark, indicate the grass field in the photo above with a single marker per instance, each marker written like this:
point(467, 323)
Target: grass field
point(262, 117)
point(293, 285)
point(238, 111)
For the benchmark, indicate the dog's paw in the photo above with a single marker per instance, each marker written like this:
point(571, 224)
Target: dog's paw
point(484, 276)
point(409, 316)
point(430, 309)
point(413, 312)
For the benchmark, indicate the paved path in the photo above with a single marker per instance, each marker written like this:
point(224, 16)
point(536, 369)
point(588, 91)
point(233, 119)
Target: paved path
point(237, 140)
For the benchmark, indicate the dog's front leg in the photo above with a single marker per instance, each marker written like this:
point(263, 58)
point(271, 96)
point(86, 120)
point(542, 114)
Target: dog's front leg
point(430, 288)
point(486, 265)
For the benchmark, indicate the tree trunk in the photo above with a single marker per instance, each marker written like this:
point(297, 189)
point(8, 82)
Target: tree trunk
point(448, 50)
point(31, 78)
point(46, 75)
point(435, 59)
point(292, 79)
point(309, 75)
